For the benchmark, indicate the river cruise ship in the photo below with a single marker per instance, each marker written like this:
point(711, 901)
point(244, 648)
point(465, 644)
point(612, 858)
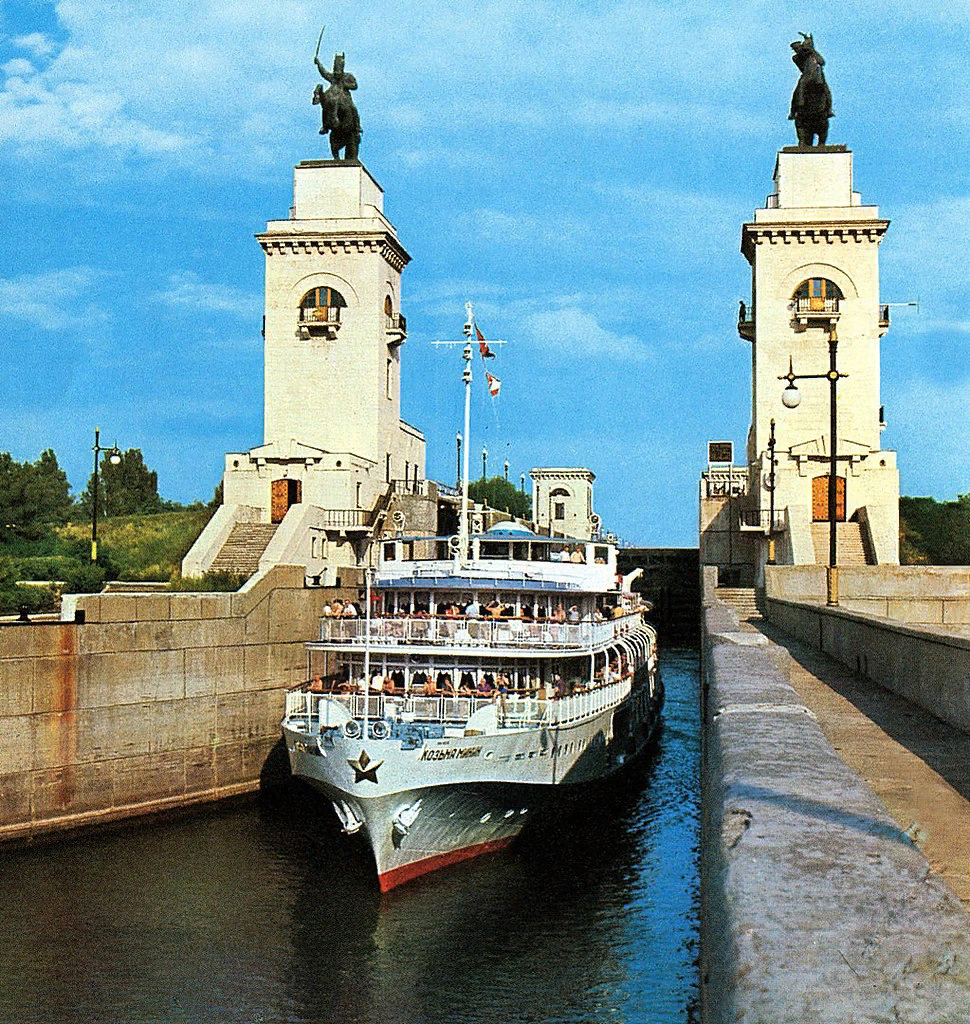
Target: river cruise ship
point(484, 676)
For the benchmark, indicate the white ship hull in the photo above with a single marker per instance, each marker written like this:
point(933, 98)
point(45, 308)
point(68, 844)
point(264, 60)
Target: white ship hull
point(422, 807)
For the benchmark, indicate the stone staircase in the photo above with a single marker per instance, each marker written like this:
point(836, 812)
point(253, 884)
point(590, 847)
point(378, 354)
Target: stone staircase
point(244, 548)
point(746, 601)
point(849, 546)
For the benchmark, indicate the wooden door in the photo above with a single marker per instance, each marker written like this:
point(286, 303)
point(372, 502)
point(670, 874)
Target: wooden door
point(820, 499)
point(283, 494)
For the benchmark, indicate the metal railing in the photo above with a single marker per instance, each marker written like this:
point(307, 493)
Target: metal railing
point(513, 710)
point(732, 481)
point(462, 632)
point(345, 517)
point(816, 304)
point(760, 519)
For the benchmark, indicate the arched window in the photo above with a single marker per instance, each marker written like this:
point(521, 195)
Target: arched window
point(817, 295)
point(320, 311)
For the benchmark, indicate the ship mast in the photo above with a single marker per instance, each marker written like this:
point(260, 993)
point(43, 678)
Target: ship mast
point(461, 554)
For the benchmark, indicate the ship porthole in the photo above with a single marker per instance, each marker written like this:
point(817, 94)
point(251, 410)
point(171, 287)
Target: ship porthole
point(351, 729)
point(380, 730)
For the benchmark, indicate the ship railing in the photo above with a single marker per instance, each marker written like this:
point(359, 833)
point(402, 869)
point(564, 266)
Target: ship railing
point(514, 710)
point(462, 632)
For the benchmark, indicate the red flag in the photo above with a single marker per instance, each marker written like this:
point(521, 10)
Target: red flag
point(493, 384)
point(486, 352)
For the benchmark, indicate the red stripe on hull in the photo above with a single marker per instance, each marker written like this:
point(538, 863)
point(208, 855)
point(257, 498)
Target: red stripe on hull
point(398, 876)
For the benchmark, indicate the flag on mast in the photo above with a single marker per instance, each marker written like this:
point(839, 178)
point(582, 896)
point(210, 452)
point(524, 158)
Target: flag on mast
point(493, 384)
point(483, 348)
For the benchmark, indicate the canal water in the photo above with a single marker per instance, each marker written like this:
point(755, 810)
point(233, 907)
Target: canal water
point(267, 913)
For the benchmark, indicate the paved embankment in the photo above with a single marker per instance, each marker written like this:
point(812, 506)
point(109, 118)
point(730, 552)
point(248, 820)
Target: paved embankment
point(816, 904)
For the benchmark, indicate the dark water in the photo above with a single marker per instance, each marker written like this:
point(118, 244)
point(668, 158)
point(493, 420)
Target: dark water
point(267, 913)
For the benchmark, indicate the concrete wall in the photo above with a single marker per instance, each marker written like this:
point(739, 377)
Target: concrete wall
point(906, 593)
point(926, 664)
point(156, 701)
point(815, 905)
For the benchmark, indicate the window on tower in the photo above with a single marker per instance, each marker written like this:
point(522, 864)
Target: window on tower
point(320, 312)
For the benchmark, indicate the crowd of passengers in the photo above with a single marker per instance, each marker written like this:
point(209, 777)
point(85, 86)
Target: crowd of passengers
point(473, 610)
point(480, 684)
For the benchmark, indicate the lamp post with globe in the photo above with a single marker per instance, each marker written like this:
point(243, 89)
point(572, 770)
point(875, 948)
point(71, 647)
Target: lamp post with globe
point(791, 398)
point(114, 457)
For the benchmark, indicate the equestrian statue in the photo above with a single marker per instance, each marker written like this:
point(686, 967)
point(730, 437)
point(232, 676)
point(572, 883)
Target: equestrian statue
point(339, 115)
point(811, 102)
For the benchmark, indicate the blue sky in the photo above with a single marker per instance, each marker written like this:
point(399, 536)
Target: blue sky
point(579, 171)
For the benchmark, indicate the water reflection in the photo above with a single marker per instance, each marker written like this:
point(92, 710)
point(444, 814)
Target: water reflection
point(268, 913)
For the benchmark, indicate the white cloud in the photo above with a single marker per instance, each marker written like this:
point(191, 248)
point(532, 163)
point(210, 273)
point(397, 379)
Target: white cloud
point(185, 290)
point(36, 42)
point(574, 330)
point(52, 300)
point(18, 67)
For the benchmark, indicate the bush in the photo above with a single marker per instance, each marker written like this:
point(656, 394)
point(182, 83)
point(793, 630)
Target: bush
point(84, 579)
point(34, 599)
point(210, 581)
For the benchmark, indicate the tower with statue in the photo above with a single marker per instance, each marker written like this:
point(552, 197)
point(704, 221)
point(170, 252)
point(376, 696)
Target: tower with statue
point(817, 487)
point(336, 461)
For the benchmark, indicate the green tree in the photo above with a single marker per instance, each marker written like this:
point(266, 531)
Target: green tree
point(498, 493)
point(934, 532)
point(125, 489)
point(33, 496)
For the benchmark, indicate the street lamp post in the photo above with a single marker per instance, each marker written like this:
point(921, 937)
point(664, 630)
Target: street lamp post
point(484, 460)
point(458, 462)
point(506, 469)
point(114, 457)
point(771, 495)
point(790, 398)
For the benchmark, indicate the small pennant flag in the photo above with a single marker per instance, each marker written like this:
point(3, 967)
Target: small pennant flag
point(486, 352)
point(493, 384)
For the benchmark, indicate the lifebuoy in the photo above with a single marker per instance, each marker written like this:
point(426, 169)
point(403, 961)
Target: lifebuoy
point(380, 729)
point(351, 729)
point(454, 542)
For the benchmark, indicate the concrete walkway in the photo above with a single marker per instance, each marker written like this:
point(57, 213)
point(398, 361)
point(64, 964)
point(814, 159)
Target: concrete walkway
point(817, 904)
point(917, 765)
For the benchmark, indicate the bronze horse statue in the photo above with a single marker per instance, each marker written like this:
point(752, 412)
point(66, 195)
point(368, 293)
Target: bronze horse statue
point(339, 115)
point(811, 102)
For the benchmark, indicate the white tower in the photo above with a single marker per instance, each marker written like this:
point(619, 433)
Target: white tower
point(562, 501)
point(814, 255)
point(335, 448)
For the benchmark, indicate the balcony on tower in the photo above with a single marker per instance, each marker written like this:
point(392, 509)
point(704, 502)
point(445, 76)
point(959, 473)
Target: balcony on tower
point(320, 313)
point(815, 303)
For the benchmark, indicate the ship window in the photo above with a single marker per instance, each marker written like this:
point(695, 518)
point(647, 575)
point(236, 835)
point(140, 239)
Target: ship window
point(321, 306)
point(389, 553)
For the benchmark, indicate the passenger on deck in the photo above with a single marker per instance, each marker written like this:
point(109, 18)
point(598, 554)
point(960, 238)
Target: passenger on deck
point(493, 608)
point(316, 684)
point(473, 610)
point(337, 609)
point(573, 614)
point(430, 686)
point(418, 682)
point(577, 555)
point(486, 686)
point(559, 615)
point(350, 611)
point(445, 685)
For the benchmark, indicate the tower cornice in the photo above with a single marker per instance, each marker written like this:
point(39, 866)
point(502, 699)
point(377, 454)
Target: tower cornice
point(811, 232)
point(312, 243)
